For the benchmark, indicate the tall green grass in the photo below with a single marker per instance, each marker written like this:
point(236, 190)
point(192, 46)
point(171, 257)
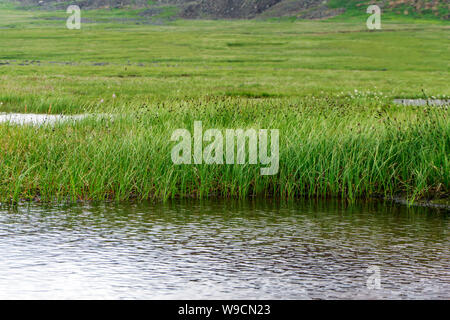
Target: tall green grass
point(328, 148)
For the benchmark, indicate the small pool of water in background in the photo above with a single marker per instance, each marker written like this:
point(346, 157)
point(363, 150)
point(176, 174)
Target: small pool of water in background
point(423, 102)
point(37, 119)
point(223, 250)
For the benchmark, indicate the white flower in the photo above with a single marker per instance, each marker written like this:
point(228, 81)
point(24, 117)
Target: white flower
point(114, 95)
point(101, 101)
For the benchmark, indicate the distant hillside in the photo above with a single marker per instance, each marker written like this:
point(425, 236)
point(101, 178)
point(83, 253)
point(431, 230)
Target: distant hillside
point(248, 9)
point(245, 9)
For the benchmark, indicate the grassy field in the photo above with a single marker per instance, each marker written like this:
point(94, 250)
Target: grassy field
point(326, 85)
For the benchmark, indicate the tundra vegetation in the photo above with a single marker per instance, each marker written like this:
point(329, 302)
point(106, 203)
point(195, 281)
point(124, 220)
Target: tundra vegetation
point(327, 86)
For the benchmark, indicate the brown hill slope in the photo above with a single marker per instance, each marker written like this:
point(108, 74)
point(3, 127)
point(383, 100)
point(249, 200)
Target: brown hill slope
point(247, 9)
point(194, 9)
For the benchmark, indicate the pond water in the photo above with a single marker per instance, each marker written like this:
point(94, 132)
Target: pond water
point(423, 102)
point(224, 250)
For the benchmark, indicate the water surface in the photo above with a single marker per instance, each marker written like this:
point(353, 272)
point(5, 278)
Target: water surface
point(223, 250)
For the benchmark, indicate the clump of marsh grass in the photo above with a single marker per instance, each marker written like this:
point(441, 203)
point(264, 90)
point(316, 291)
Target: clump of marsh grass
point(328, 148)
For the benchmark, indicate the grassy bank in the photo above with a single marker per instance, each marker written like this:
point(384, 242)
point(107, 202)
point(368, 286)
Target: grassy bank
point(327, 148)
point(326, 85)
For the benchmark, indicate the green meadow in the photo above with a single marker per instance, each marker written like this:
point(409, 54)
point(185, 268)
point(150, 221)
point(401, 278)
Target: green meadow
point(327, 86)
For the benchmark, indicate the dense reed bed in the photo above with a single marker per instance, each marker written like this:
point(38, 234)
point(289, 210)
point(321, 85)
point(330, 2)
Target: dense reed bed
point(328, 148)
